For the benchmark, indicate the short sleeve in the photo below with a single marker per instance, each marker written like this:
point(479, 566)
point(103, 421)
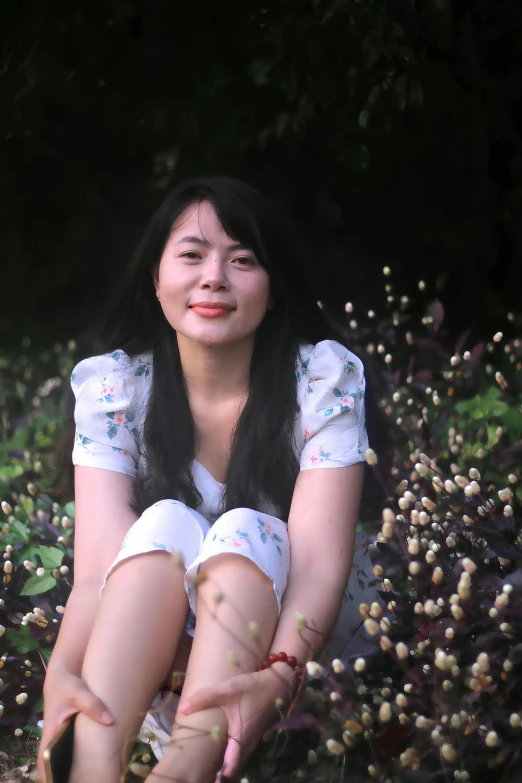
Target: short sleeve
point(109, 399)
point(331, 390)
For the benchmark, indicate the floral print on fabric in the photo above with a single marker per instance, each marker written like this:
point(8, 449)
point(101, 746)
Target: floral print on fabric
point(331, 396)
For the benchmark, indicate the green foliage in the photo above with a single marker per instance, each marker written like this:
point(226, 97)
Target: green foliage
point(440, 399)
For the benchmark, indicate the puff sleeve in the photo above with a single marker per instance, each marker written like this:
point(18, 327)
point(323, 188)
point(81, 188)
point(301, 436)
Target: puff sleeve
point(108, 391)
point(331, 389)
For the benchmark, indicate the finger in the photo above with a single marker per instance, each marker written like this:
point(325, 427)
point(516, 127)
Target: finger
point(232, 758)
point(201, 700)
point(92, 706)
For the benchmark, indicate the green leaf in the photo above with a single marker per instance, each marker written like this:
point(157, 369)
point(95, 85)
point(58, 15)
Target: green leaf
point(11, 471)
point(43, 440)
point(38, 584)
point(46, 654)
point(28, 504)
point(69, 509)
point(493, 438)
point(22, 640)
point(21, 530)
point(35, 730)
point(51, 556)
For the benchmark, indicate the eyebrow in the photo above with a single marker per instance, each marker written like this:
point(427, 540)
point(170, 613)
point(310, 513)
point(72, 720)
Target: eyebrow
point(204, 242)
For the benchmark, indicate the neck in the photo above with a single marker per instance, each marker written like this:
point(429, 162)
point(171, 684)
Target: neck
point(216, 373)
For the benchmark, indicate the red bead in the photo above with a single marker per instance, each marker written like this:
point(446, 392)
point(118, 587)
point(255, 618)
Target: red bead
point(273, 657)
point(265, 664)
point(282, 656)
point(291, 660)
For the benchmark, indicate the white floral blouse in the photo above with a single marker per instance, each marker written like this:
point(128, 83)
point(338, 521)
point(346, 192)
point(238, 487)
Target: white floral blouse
point(111, 393)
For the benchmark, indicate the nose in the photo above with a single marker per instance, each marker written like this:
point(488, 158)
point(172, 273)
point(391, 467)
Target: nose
point(214, 275)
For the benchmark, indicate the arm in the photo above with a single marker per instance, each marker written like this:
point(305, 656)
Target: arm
point(321, 526)
point(103, 517)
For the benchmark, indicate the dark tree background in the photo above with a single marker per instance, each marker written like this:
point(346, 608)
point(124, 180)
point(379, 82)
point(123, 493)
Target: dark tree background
point(390, 130)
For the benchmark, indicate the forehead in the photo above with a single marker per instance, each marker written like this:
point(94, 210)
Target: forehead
point(198, 218)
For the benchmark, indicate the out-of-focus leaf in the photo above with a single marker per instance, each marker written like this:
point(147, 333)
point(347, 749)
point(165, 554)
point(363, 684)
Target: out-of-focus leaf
point(38, 584)
point(51, 556)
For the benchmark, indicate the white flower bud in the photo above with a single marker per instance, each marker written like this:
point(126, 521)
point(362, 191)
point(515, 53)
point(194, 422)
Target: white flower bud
point(386, 643)
point(385, 712)
point(371, 457)
point(300, 621)
point(40, 572)
point(338, 666)
point(402, 650)
point(21, 698)
point(376, 610)
point(315, 670)
point(233, 658)
point(515, 720)
point(414, 567)
point(387, 530)
point(468, 565)
point(8, 567)
point(6, 507)
point(448, 752)
point(483, 661)
point(438, 575)
point(371, 626)
point(64, 569)
point(491, 739)
point(335, 747)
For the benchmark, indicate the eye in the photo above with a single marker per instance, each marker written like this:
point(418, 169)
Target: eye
point(245, 258)
point(189, 253)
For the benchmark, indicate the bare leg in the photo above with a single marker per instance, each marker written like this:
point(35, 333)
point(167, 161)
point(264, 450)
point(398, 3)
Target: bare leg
point(133, 642)
point(197, 758)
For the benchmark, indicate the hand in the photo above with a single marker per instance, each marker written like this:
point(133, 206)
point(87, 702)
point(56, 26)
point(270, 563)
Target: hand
point(65, 694)
point(248, 700)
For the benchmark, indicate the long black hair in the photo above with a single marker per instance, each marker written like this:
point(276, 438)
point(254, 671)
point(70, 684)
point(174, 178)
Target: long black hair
point(262, 463)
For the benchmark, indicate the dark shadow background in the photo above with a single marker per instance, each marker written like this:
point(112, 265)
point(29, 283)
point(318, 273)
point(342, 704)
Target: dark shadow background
point(390, 131)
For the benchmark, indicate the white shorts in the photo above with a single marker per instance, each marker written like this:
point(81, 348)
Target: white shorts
point(170, 525)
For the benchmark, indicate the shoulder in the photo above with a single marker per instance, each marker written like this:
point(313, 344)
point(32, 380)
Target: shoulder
point(99, 374)
point(324, 363)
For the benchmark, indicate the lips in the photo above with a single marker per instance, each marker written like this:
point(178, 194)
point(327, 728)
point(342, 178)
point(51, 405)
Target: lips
point(213, 305)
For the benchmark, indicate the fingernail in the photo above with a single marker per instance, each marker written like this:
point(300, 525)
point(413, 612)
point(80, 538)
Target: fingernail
point(184, 707)
point(106, 716)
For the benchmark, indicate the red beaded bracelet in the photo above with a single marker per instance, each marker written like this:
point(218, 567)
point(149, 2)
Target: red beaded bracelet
point(291, 660)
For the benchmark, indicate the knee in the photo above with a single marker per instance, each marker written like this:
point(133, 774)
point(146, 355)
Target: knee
point(163, 505)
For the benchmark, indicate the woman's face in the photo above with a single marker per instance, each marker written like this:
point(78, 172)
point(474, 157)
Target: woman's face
point(202, 265)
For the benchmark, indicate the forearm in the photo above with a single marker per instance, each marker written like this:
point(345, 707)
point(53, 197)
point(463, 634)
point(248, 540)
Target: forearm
point(75, 630)
point(319, 600)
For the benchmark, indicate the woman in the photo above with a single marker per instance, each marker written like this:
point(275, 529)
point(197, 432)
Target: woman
point(202, 433)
